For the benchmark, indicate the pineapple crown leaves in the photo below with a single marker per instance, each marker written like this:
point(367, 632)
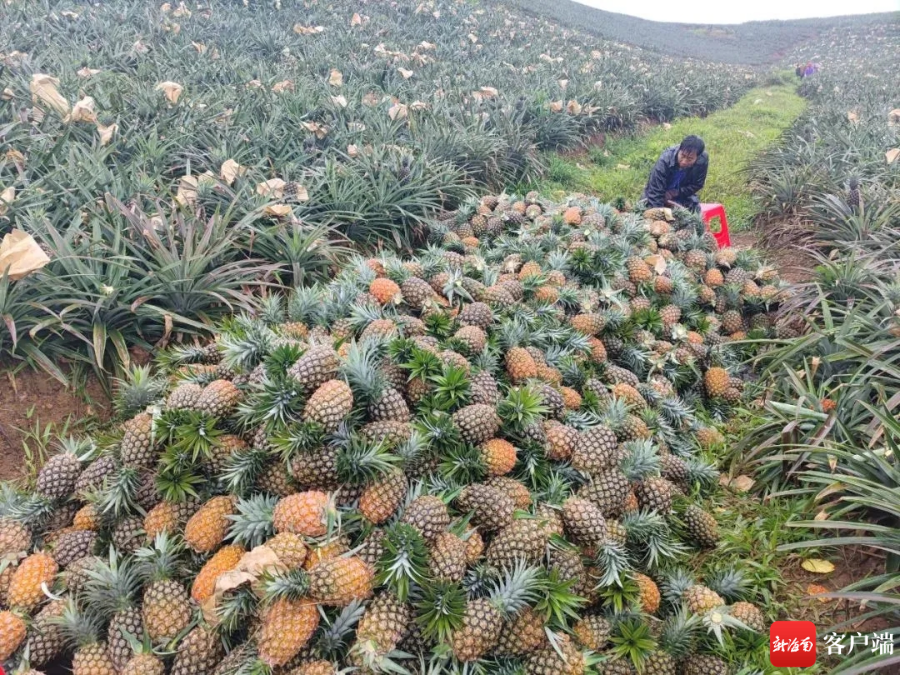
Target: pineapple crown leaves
point(679, 632)
point(641, 460)
point(517, 588)
point(558, 603)
point(439, 325)
point(359, 460)
point(613, 559)
point(420, 363)
point(242, 469)
point(364, 313)
point(298, 438)
point(252, 525)
point(180, 355)
point(281, 358)
point(454, 290)
point(334, 635)
point(161, 559)
point(440, 609)
point(462, 465)
point(234, 608)
point(361, 369)
point(633, 641)
point(521, 407)
point(451, 389)
point(28, 508)
point(117, 495)
point(439, 431)
point(675, 584)
point(731, 582)
point(112, 586)
point(717, 620)
point(138, 389)
point(80, 625)
point(650, 533)
point(275, 402)
point(283, 585)
point(271, 309)
point(247, 344)
point(404, 560)
point(195, 434)
point(305, 305)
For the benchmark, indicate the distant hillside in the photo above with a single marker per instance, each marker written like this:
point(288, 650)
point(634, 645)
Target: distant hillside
point(752, 43)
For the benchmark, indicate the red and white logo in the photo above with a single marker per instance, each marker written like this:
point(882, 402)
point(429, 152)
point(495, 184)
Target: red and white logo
point(792, 644)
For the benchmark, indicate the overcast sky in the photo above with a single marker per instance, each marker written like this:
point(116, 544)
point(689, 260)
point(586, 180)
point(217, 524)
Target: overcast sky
point(738, 11)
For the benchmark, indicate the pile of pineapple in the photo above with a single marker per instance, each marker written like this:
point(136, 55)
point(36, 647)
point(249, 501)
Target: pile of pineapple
point(491, 457)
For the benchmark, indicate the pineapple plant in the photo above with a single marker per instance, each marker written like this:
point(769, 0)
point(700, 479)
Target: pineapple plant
point(81, 628)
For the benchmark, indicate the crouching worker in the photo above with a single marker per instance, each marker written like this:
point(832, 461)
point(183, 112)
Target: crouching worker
point(677, 177)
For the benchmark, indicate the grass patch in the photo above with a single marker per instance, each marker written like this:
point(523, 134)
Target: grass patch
point(733, 138)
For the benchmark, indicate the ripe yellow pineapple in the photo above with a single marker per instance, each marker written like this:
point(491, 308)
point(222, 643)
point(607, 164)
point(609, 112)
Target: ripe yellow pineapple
point(302, 513)
point(206, 529)
point(290, 549)
point(649, 593)
point(286, 627)
point(384, 290)
point(629, 394)
point(224, 560)
point(571, 398)
point(529, 270)
point(499, 456)
point(219, 398)
point(520, 365)
point(327, 551)
point(25, 588)
point(340, 581)
point(701, 599)
point(329, 404)
point(474, 547)
point(638, 270)
point(12, 633)
point(716, 381)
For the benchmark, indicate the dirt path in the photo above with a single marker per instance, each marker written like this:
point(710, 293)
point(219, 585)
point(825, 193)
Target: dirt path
point(794, 265)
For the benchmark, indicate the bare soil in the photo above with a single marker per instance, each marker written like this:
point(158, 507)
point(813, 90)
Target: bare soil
point(29, 398)
point(794, 264)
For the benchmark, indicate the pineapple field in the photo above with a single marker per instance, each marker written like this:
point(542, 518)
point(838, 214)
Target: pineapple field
point(377, 405)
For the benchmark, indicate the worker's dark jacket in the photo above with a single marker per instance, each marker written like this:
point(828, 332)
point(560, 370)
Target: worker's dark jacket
point(661, 178)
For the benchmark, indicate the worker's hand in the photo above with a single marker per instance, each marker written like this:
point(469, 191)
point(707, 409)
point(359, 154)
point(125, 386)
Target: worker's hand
point(671, 194)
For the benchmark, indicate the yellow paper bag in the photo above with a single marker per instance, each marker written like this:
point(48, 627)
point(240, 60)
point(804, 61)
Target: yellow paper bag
point(21, 255)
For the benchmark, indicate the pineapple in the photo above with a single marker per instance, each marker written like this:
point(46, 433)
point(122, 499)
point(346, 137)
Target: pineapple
point(205, 530)
point(473, 338)
point(168, 517)
point(522, 634)
point(81, 626)
point(58, 477)
point(427, 514)
point(381, 499)
point(166, 606)
point(198, 653)
point(716, 381)
point(74, 545)
point(595, 450)
point(384, 290)
point(477, 423)
point(136, 449)
point(224, 560)
point(286, 626)
point(329, 404)
point(317, 365)
point(732, 322)
point(380, 630)
point(592, 632)
point(25, 590)
point(516, 491)
point(12, 633)
point(523, 539)
point(608, 491)
point(649, 593)
point(417, 293)
point(219, 398)
point(14, 537)
point(45, 639)
point(520, 365)
point(302, 513)
point(492, 508)
point(701, 599)
point(563, 658)
point(561, 440)
point(655, 493)
point(702, 664)
point(749, 614)
point(340, 581)
point(584, 521)
point(484, 617)
point(477, 314)
point(702, 526)
point(499, 456)
point(447, 559)
point(638, 270)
